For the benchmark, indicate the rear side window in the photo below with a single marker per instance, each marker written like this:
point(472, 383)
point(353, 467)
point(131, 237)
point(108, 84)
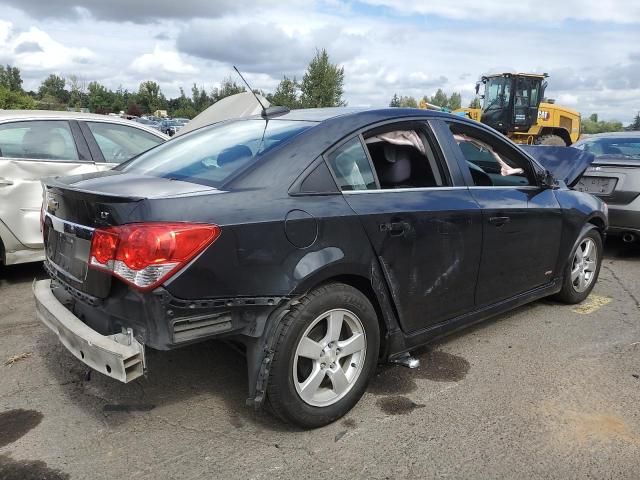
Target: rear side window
point(40, 140)
point(121, 142)
point(351, 167)
point(211, 155)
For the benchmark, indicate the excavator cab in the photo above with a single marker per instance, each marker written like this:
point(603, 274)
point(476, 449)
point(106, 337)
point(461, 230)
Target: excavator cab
point(511, 101)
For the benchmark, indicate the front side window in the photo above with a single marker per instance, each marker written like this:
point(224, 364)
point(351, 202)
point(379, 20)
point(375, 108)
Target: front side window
point(491, 163)
point(119, 143)
point(40, 140)
point(211, 155)
point(497, 93)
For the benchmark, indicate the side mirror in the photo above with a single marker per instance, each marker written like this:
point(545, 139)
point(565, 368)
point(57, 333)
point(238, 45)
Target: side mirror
point(547, 180)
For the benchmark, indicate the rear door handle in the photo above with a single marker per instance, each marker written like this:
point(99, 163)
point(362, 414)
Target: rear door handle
point(499, 221)
point(395, 229)
point(4, 182)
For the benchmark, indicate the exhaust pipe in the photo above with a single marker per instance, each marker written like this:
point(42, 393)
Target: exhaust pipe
point(628, 237)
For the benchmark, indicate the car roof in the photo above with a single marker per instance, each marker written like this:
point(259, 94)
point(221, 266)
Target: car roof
point(9, 115)
point(323, 114)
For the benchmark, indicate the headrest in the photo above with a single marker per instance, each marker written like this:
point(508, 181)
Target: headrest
point(233, 154)
point(397, 168)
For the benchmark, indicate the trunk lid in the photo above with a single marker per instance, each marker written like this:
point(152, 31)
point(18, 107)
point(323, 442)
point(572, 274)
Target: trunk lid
point(613, 178)
point(565, 163)
point(75, 206)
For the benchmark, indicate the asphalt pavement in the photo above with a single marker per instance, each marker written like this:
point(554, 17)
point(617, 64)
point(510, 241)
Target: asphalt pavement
point(546, 391)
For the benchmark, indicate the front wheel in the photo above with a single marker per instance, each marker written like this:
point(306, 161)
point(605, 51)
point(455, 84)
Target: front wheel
point(325, 353)
point(582, 270)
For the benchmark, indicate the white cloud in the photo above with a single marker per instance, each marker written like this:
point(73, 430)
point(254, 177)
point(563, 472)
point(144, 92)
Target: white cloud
point(162, 61)
point(34, 49)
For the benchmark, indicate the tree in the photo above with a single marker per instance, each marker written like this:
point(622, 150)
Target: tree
point(455, 101)
point(10, 99)
point(322, 83)
point(286, 94)
point(593, 125)
point(78, 92)
point(10, 78)
point(475, 103)
point(407, 102)
point(440, 99)
point(52, 90)
point(636, 122)
point(593, 117)
point(149, 96)
point(395, 101)
point(100, 99)
point(227, 88)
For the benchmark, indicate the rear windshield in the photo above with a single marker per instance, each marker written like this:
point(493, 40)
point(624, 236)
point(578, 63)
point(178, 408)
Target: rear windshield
point(620, 147)
point(211, 155)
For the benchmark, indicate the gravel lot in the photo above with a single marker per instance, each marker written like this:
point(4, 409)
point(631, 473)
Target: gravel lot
point(547, 391)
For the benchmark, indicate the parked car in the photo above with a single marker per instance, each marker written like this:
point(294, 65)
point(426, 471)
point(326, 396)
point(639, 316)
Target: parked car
point(170, 127)
point(323, 240)
point(614, 176)
point(183, 121)
point(148, 122)
point(36, 144)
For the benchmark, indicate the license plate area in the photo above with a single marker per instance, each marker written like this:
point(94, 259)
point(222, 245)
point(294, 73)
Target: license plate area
point(67, 247)
point(597, 185)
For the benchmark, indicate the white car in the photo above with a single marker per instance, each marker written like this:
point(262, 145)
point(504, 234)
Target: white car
point(38, 144)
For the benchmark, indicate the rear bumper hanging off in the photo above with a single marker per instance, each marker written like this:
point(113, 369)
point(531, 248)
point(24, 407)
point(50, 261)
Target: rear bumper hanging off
point(118, 356)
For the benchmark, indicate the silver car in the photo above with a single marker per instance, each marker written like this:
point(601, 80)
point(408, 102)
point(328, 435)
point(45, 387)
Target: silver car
point(38, 144)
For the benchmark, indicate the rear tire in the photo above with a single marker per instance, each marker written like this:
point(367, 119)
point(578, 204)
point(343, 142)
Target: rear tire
point(582, 270)
point(555, 140)
point(325, 353)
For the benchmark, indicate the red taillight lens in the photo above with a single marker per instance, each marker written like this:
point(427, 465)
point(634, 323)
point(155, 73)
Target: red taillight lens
point(146, 254)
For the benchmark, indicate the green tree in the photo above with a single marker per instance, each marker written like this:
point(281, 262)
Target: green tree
point(322, 83)
point(10, 99)
point(10, 78)
point(475, 103)
point(455, 101)
point(100, 99)
point(52, 90)
point(636, 122)
point(593, 125)
point(286, 94)
point(440, 99)
point(77, 92)
point(407, 102)
point(149, 96)
point(593, 117)
point(199, 99)
point(395, 101)
point(227, 88)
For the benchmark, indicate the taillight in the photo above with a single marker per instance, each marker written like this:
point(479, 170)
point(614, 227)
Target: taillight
point(146, 254)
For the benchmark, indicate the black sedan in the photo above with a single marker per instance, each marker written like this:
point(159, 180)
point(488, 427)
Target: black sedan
point(325, 241)
point(614, 176)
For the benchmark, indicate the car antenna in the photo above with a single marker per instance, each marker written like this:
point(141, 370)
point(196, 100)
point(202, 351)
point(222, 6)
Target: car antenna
point(266, 112)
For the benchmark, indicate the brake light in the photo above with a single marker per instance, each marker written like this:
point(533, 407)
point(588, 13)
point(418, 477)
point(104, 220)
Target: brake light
point(146, 254)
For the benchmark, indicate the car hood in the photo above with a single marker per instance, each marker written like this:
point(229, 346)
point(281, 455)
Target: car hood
point(565, 163)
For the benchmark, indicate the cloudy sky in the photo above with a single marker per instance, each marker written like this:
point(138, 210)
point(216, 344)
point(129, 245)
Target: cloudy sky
point(591, 48)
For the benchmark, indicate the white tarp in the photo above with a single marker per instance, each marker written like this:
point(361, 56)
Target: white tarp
point(235, 106)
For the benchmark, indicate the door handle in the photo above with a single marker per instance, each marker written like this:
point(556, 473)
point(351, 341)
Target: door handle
point(395, 229)
point(4, 182)
point(499, 221)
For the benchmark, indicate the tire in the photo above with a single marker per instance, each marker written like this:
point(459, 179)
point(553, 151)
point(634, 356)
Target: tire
point(556, 140)
point(573, 291)
point(305, 386)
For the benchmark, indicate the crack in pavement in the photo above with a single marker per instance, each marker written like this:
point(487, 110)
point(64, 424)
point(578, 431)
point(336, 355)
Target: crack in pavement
point(622, 285)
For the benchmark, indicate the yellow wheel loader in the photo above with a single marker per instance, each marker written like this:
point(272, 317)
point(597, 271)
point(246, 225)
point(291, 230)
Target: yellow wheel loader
point(513, 104)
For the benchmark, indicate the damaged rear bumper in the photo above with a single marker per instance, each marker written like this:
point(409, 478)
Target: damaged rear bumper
point(118, 356)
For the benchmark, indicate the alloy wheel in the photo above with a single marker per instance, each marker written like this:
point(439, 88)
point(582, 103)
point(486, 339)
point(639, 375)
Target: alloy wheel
point(329, 357)
point(585, 262)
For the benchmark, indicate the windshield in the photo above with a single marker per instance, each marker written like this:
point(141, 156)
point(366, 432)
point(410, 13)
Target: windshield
point(497, 92)
point(610, 146)
point(211, 155)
